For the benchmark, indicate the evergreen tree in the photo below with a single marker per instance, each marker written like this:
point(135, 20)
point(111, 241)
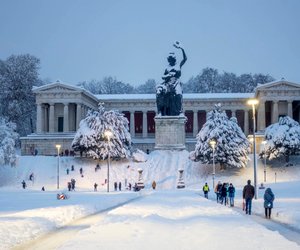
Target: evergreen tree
point(90, 136)
point(18, 74)
point(283, 139)
point(8, 138)
point(232, 146)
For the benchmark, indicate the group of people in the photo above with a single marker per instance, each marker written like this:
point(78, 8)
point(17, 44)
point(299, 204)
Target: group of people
point(71, 185)
point(224, 191)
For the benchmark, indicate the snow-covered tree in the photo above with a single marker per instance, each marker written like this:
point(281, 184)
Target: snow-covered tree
point(232, 146)
point(90, 137)
point(283, 139)
point(149, 87)
point(108, 85)
point(18, 74)
point(8, 138)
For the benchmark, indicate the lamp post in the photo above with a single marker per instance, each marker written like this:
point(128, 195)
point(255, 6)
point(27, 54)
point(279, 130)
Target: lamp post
point(265, 161)
point(58, 146)
point(213, 145)
point(108, 134)
point(254, 102)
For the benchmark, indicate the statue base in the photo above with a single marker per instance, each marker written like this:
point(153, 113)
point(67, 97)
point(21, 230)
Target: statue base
point(170, 132)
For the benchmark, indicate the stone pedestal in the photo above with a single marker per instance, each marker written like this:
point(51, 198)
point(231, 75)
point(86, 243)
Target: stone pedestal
point(140, 183)
point(180, 183)
point(170, 132)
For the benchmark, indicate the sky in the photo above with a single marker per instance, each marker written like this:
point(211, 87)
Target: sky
point(80, 40)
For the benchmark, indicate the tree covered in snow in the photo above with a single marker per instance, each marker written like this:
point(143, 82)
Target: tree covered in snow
point(108, 85)
point(8, 138)
point(90, 137)
point(18, 74)
point(282, 139)
point(232, 146)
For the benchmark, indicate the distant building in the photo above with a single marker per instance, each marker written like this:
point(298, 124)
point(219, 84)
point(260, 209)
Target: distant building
point(61, 107)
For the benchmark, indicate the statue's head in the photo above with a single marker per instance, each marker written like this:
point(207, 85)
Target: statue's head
point(172, 58)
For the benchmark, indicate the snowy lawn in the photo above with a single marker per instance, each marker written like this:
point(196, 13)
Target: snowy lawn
point(178, 219)
point(27, 214)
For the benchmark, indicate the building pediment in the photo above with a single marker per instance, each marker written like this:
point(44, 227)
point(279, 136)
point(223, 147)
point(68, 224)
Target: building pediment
point(278, 85)
point(278, 88)
point(57, 87)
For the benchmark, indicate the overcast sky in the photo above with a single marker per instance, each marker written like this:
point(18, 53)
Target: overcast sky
point(130, 39)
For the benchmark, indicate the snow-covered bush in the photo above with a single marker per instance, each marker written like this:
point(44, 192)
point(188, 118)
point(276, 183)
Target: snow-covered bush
point(8, 138)
point(90, 136)
point(232, 146)
point(139, 156)
point(283, 139)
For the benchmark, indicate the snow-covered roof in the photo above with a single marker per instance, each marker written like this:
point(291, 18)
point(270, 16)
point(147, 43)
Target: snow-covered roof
point(68, 86)
point(185, 96)
point(276, 82)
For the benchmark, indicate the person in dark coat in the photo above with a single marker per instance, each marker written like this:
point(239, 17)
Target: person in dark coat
point(231, 192)
point(248, 194)
point(24, 184)
point(95, 187)
point(73, 184)
point(116, 186)
point(72, 168)
point(268, 202)
point(120, 186)
point(224, 194)
point(43, 188)
point(67, 171)
point(69, 186)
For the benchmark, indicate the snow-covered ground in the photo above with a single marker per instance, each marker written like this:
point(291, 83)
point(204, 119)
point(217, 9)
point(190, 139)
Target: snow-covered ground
point(151, 220)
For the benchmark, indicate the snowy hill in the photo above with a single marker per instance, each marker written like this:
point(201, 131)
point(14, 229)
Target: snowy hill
point(31, 212)
point(161, 166)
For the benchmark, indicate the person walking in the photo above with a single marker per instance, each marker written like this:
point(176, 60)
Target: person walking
point(205, 190)
point(248, 194)
point(218, 189)
point(95, 187)
point(224, 194)
point(120, 186)
point(231, 192)
point(69, 186)
point(116, 186)
point(268, 202)
point(24, 184)
point(153, 185)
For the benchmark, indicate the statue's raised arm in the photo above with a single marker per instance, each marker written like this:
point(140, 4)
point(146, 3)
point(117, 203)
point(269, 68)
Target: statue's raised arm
point(177, 45)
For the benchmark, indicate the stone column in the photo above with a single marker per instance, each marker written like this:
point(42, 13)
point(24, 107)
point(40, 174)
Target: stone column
point(132, 131)
point(275, 112)
point(290, 108)
point(51, 118)
point(145, 124)
point(66, 117)
point(195, 123)
point(261, 116)
point(78, 115)
point(246, 122)
point(233, 113)
point(39, 118)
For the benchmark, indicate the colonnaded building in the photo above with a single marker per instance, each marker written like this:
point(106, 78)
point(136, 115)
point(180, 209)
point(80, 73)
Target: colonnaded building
point(61, 107)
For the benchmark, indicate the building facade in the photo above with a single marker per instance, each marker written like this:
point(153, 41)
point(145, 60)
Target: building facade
point(61, 107)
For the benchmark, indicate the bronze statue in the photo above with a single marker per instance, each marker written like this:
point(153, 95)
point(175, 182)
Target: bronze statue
point(169, 93)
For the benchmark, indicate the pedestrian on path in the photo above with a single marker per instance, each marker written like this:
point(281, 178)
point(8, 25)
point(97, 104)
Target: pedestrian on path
point(153, 185)
point(224, 194)
point(218, 189)
point(248, 194)
point(205, 190)
point(231, 193)
point(95, 187)
point(268, 202)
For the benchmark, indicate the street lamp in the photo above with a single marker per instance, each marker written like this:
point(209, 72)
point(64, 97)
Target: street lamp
point(58, 146)
point(254, 102)
point(265, 160)
point(108, 134)
point(213, 145)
